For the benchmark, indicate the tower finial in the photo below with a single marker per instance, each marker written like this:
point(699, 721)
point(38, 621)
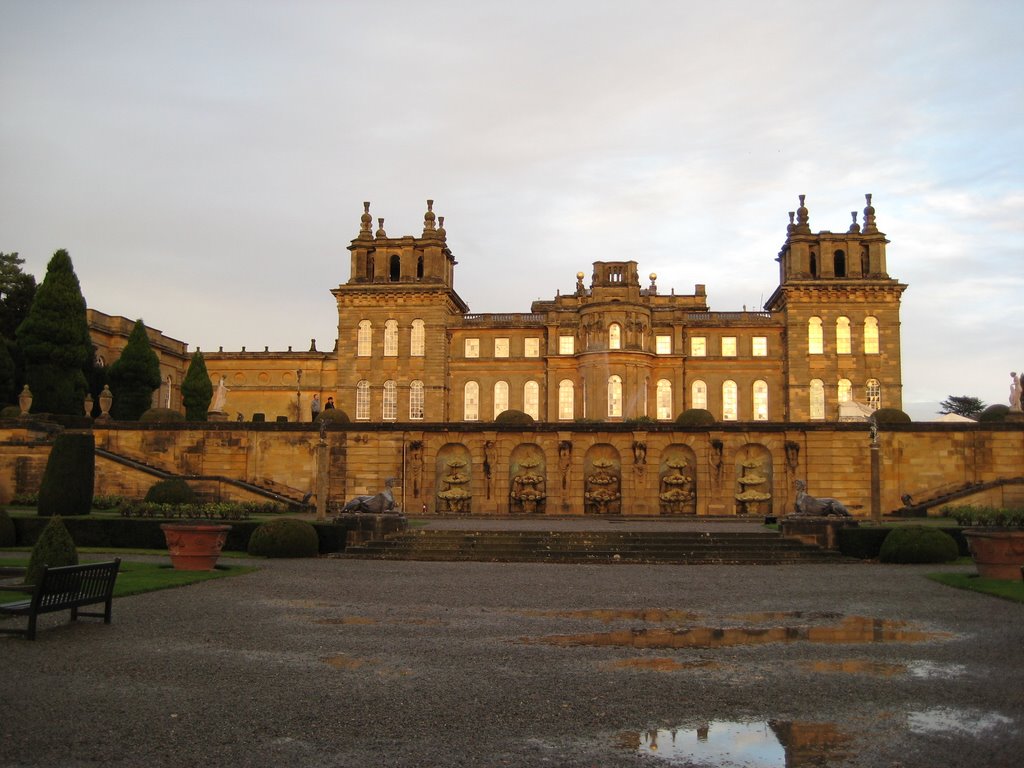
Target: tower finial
point(380, 228)
point(870, 227)
point(791, 227)
point(802, 221)
point(441, 232)
point(854, 227)
point(428, 220)
point(365, 223)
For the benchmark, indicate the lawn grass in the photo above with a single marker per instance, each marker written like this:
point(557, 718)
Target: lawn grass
point(1008, 590)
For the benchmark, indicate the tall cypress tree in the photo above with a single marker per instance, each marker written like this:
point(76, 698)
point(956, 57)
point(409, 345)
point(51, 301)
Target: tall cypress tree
point(134, 376)
point(54, 340)
point(197, 389)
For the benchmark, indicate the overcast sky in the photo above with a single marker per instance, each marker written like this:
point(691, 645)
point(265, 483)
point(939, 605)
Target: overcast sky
point(205, 163)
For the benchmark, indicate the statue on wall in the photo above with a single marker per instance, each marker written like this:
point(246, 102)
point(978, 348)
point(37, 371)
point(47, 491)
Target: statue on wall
point(810, 506)
point(1015, 391)
point(220, 396)
point(376, 504)
point(564, 461)
point(488, 464)
point(416, 460)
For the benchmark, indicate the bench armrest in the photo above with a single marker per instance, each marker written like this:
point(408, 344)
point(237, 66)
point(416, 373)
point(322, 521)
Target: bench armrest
point(30, 588)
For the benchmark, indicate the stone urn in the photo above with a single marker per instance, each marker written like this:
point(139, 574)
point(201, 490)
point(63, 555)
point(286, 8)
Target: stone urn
point(194, 546)
point(998, 553)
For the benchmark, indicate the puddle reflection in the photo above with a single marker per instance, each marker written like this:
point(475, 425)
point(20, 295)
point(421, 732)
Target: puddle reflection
point(949, 721)
point(662, 664)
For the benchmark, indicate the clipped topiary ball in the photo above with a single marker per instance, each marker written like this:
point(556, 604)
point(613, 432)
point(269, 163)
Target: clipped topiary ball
point(173, 491)
point(514, 418)
point(54, 548)
point(161, 415)
point(918, 544)
point(8, 534)
point(286, 537)
point(69, 477)
point(891, 416)
point(995, 412)
point(695, 417)
point(334, 416)
point(10, 412)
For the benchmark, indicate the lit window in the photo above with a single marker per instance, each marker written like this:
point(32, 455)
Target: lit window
point(873, 390)
point(815, 337)
point(698, 346)
point(416, 400)
point(760, 401)
point(817, 394)
point(845, 391)
point(728, 346)
point(501, 347)
point(531, 347)
point(391, 338)
point(472, 347)
point(364, 339)
point(566, 345)
point(663, 345)
point(843, 336)
point(471, 401)
point(614, 397)
point(870, 336)
point(699, 395)
point(664, 399)
point(500, 397)
point(759, 346)
point(389, 409)
point(417, 343)
point(729, 407)
point(566, 398)
point(363, 401)
point(614, 336)
point(531, 399)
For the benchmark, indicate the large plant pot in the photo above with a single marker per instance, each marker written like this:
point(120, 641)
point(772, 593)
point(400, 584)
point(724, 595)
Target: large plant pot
point(998, 552)
point(194, 547)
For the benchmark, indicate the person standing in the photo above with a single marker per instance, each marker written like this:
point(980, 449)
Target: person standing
point(315, 407)
point(329, 405)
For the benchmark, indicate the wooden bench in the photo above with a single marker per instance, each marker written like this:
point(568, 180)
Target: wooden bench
point(67, 587)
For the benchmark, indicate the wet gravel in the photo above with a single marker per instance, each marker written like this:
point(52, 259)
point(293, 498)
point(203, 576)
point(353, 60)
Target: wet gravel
point(363, 663)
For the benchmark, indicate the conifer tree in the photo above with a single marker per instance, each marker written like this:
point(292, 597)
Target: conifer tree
point(54, 340)
point(53, 548)
point(197, 389)
point(134, 376)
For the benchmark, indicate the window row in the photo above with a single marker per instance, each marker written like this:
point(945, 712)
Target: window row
point(844, 344)
point(502, 347)
point(389, 401)
point(364, 338)
point(844, 389)
point(471, 399)
point(728, 346)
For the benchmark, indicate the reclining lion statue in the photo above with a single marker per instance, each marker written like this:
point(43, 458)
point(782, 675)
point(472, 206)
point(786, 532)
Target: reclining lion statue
point(809, 506)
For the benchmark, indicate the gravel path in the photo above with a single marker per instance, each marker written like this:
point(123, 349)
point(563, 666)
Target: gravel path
point(363, 663)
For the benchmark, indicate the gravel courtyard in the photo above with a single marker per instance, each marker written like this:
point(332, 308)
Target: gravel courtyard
point(337, 662)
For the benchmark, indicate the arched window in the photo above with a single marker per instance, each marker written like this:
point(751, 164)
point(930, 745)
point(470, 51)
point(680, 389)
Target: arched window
point(760, 393)
point(664, 399)
point(363, 400)
point(865, 264)
point(699, 395)
point(566, 400)
point(614, 336)
point(500, 397)
point(416, 400)
point(814, 265)
point(369, 266)
point(417, 343)
point(471, 401)
point(843, 336)
point(817, 391)
point(395, 268)
point(389, 409)
point(845, 389)
point(873, 393)
point(391, 338)
point(364, 338)
point(730, 409)
point(870, 335)
point(815, 337)
point(419, 268)
point(839, 264)
point(614, 397)
point(531, 399)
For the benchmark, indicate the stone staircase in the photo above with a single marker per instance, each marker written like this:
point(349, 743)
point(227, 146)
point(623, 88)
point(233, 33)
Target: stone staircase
point(681, 547)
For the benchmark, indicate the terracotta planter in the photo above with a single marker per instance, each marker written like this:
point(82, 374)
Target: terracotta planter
point(998, 552)
point(194, 547)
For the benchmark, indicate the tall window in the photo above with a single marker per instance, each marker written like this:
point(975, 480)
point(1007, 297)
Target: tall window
point(614, 336)
point(871, 336)
point(614, 397)
point(663, 345)
point(566, 345)
point(364, 338)
point(363, 400)
point(531, 347)
point(395, 268)
point(759, 346)
point(531, 399)
point(699, 395)
point(843, 336)
point(817, 394)
point(472, 347)
point(500, 397)
point(471, 401)
point(815, 338)
point(839, 264)
point(730, 409)
point(391, 338)
point(417, 342)
point(845, 389)
point(416, 400)
point(664, 399)
point(873, 391)
point(389, 405)
point(501, 347)
point(698, 346)
point(728, 346)
point(760, 393)
point(566, 398)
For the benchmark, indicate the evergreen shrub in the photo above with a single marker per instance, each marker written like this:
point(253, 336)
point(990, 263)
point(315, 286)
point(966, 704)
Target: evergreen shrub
point(8, 534)
point(69, 477)
point(10, 412)
point(134, 376)
point(514, 418)
point(995, 412)
point(286, 537)
point(161, 415)
point(695, 417)
point(918, 544)
point(54, 548)
point(890, 416)
point(863, 543)
point(334, 416)
point(172, 491)
point(197, 389)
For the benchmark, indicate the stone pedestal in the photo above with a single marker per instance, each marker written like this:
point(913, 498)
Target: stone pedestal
point(322, 480)
point(362, 527)
point(216, 416)
point(819, 531)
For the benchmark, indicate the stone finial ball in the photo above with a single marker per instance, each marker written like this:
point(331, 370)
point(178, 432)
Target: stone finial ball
point(653, 276)
point(580, 275)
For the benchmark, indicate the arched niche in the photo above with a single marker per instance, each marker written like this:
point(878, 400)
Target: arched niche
point(454, 473)
point(527, 471)
point(677, 481)
point(602, 480)
point(754, 480)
